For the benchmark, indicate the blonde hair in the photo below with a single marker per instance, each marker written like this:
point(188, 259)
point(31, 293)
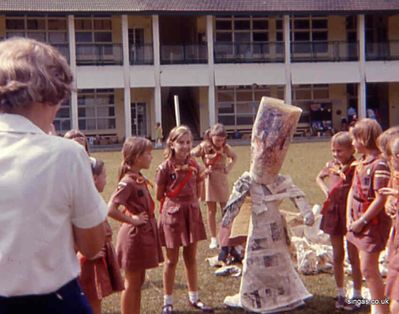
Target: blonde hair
point(217, 130)
point(174, 134)
point(32, 72)
point(384, 140)
point(366, 132)
point(394, 147)
point(73, 134)
point(133, 147)
point(342, 138)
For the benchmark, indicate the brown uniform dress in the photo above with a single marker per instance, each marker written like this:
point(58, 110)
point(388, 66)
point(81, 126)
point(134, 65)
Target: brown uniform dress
point(392, 284)
point(180, 222)
point(371, 174)
point(333, 221)
point(101, 276)
point(137, 247)
point(216, 183)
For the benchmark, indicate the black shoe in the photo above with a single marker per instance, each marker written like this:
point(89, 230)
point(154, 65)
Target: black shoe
point(236, 257)
point(167, 309)
point(201, 306)
point(223, 254)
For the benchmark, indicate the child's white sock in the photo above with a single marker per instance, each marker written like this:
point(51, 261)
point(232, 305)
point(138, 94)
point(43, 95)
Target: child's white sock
point(214, 243)
point(167, 299)
point(341, 292)
point(357, 293)
point(193, 296)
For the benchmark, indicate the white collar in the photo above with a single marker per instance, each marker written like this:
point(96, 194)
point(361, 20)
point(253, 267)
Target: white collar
point(15, 123)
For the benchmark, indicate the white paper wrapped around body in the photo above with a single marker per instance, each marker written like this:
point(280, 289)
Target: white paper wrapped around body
point(274, 126)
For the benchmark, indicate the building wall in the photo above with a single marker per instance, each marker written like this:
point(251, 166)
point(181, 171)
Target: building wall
point(2, 26)
point(339, 103)
point(336, 28)
point(116, 29)
point(393, 33)
point(393, 104)
point(203, 102)
point(120, 113)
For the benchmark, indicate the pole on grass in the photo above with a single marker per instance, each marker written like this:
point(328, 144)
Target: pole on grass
point(177, 110)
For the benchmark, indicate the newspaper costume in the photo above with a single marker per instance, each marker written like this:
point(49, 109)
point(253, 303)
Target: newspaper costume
point(269, 281)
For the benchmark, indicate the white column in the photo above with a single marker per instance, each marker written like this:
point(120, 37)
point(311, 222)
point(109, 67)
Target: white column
point(211, 71)
point(72, 61)
point(361, 33)
point(157, 68)
point(287, 60)
point(126, 76)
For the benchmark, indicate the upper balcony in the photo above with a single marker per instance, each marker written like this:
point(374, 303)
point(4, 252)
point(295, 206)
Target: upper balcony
point(99, 54)
point(324, 51)
point(140, 54)
point(184, 54)
point(382, 51)
point(252, 52)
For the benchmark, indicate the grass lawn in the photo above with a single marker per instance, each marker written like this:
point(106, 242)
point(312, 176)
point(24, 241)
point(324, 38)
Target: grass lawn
point(303, 162)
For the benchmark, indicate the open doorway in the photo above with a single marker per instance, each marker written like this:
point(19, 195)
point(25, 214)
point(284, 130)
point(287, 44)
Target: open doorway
point(189, 108)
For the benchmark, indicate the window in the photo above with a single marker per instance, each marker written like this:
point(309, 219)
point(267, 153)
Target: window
point(93, 29)
point(309, 34)
point(237, 105)
point(242, 29)
point(96, 109)
point(305, 95)
point(62, 122)
point(47, 29)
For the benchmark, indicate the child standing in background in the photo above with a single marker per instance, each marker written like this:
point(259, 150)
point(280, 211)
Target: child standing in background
point(335, 180)
point(368, 224)
point(219, 159)
point(178, 184)
point(100, 276)
point(392, 287)
point(78, 137)
point(158, 135)
point(138, 247)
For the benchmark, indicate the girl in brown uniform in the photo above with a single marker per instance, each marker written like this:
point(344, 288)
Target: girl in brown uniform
point(368, 224)
point(392, 288)
point(138, 247)
point(335, 180)
point(178, 184)
point(219, 159)
point(100, 276)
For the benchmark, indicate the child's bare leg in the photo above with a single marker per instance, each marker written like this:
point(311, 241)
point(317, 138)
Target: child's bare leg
point(131, 296)
point(95, 305)
point(394, 306)
point(212, 218)
point(338, 257)
point(370, 271)
point(169, 270)
point(353, 255)
point(190, 266)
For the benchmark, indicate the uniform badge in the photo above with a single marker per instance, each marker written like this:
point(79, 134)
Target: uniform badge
point(173, 176)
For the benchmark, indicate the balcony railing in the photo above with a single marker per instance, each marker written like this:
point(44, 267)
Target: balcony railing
point(184, 54)
point(249, 52)
point(99, 54)
point(319, 51)
point(141, 54)
point(382, 51)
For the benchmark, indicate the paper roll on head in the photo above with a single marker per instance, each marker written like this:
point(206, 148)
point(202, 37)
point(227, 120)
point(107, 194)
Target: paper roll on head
point(274, 126)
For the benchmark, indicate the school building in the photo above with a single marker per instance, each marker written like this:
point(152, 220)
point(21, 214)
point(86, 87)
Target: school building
point(130, 57)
